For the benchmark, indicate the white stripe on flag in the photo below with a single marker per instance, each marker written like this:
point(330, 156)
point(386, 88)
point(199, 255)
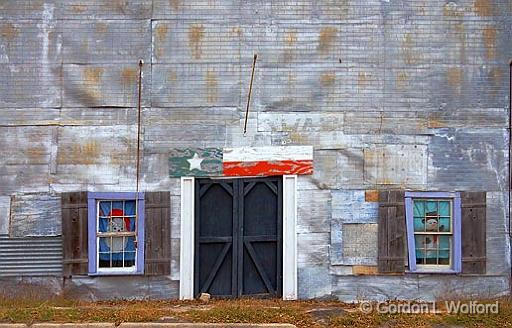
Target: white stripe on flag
point(279, 153)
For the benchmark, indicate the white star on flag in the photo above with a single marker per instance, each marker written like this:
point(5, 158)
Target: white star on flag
point(195, 162)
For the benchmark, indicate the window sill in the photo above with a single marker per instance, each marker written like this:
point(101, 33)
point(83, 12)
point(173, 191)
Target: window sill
point(115, 273)
point(430, 271)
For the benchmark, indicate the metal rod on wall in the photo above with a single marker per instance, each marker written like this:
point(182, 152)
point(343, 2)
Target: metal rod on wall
point(141, 62)
point(250, 92)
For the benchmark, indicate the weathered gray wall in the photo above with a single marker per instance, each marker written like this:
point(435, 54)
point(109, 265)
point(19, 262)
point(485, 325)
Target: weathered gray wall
point(409, 94)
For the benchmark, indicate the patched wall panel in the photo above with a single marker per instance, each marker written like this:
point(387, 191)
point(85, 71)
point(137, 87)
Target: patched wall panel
point(201, 85)
point(35, 215)
point(106, 41)
point(23, 42)
point(467, 159)
point(105, 85)
point(360, 243)
point(29, 85)
point(396, 165)
point(99, 9)
point(181, 41)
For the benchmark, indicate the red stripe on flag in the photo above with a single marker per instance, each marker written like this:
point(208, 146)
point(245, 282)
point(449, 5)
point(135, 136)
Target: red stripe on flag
point(268, 168)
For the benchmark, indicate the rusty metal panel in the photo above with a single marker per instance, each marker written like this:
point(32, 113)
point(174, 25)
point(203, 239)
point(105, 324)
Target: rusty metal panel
point(26, 42)
point(468, 160)
point(196, 10)
point(30, 256)
point(106, 41)
point(100, 9)
point(26, 9)
point(35, 215)
point(25, 159)
point(104, 85)
point(196, 42)
point(29, 85)
point(201, 85)
point(402, 165)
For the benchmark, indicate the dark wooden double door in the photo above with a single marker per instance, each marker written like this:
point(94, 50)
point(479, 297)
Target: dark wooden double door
point(238, 237)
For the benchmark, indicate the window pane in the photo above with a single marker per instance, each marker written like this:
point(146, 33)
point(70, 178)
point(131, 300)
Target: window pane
point(104, 208)
point(117, 244)
point(104, 244)
point(445, 224)
point(117, 208)
point(419, 208)
point(104, 260)
point(419, 224)
point(129, 224)
point(129, 259)
point(444, 208)
point(104, 225)
point(129, 207)
point(431, 208)
point(118, 225)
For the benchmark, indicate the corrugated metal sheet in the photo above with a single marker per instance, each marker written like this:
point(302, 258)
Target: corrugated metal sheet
point(30, 256)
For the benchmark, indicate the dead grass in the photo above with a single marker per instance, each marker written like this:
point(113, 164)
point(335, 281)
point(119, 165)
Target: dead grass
point(234, 311)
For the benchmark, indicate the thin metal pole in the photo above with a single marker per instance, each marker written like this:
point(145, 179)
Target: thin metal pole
point(250, 92)
point(139, 125)
point(509, 147)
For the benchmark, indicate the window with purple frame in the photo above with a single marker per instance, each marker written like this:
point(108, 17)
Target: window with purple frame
point(433, 231)
point(116, 233)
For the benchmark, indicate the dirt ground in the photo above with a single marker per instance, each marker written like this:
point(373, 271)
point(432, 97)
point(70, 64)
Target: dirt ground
point(299, 313)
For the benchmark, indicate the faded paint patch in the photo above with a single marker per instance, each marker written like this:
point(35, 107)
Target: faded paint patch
point(128, 76)
point(101, 27)
point(483, 7)
point(489, 37)
point(411, 56)
point(211, 86)
point(78, 8)
point(327, 39)
point(401, 80)
point(454, 77)
point(92, 77)
point(362, 270)
point(327, 79)
point(83, 153)
point(8, 31)
point(363, 79)
point(371, 196)
point(452, 10)
point(195, 38)
point(175, 4)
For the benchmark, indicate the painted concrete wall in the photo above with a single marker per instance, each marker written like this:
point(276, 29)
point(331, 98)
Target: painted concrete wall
point(392, 94)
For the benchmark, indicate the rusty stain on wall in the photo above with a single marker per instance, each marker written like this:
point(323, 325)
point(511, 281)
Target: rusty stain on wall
point(290, 41)
point(454, 77)
point(483, 7)
point(195, 38)
point(175, 4)
point(489, 36)
point(129, 76)
point(371, 196)
point(401, 80)
point(327, 39)
point(83, 153)
point(78, 8)
point(161, 32)
point(363, 79)
point(327, 79)
point(411, 56)
point(92, 78)
point(102, 27)
point(8, 31)
point(211, 86)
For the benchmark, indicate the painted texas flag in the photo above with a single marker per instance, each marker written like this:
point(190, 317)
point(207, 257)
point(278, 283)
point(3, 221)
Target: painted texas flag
point(267, 161)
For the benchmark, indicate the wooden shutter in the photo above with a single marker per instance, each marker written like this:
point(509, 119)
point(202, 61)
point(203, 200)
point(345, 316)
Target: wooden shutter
point(391, 238)
point(157, 234)
point(473, 232)
point(74, 233)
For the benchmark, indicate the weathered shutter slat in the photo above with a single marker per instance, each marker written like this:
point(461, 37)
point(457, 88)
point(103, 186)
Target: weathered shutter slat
point(157, 235)
point(74, 233)
point(391, 233)
point(473, 232)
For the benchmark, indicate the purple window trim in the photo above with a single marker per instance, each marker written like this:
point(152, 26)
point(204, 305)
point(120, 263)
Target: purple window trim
point(92, 198)
point(457, 253)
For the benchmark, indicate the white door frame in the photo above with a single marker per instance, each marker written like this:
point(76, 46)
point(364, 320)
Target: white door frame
point(290, 286)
